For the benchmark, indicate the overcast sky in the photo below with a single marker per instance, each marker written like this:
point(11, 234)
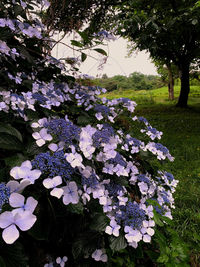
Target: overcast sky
point(117, 62)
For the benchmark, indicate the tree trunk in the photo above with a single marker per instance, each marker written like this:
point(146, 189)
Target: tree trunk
point(185, 84)
point(171, 82)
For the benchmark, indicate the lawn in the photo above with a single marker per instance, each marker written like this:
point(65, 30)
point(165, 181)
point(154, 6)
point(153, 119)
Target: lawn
point(181, 135)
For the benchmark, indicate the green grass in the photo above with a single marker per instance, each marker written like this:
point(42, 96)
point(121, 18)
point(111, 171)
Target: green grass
point(181, 134)
point(158, 96)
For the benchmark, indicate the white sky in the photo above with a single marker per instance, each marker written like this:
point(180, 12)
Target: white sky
point(117, 63)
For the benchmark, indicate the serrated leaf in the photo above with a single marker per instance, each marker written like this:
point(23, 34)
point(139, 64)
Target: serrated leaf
point(33, 149)
point(83, 120)
point(99, 222)
point(14, 160)
point(157, 219)
point(101, 51)
point(83, 57)
point(32, 115)
point(7, 128)
point(76, 208)
point(118, 243)
point(10, 142)
point(77, 248)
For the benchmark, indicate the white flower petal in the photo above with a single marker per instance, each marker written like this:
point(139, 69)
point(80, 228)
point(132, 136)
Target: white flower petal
point(57, 192)
point(108, 230)
point(31, 204)
point(48, 183)
point(147, 238)
point(14, 172)
point(40, 142)
point(53, 147)
point(34, 174)
point(58, 260)
point(36, 135)
point(57, 180)
point(16, 200)
point(27, 164)
point(25, 221)
point(6, 219)
point(10, 234)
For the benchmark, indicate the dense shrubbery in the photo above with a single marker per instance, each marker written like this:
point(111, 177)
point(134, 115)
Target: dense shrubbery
point(135, 81)
point(75, 185)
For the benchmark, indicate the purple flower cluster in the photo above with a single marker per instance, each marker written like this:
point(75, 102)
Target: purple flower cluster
point(4, 194)
point(53, 165)
point(131, 215)
point(103, 135)
point(65, 131)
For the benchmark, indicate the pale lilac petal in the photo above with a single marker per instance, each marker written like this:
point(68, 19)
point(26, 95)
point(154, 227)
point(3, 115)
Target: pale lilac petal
point(44, 135)
point(147, 238)
point(16, 200)
point(150, 231)
point(10, 234)
point(13, 186)
point(57, 192)
point(58, 260)
point(73, 186)
point(104, 258)
point(25, 221)
point(53, 147)
point(35, 125)
point(57, 180)
point(48, 137)
point(48, 183)
point(23, 171)
point(6, 219)
point(40, 142)
point(36, 135)
point(65, 258)
point(27, 164)
point(108, 230)
point(31, 204)
point(35, 174)
point(14, 172)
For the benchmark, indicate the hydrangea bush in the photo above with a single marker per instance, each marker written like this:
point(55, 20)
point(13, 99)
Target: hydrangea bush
point(77, 181)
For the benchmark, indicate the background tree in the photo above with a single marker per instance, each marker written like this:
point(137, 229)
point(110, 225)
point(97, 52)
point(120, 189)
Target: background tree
point(169, 30)
point(169, 73)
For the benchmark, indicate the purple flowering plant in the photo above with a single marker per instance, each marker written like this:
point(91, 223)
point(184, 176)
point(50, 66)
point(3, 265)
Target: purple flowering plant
point(75, 183)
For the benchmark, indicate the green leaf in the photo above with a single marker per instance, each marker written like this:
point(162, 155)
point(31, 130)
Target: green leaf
point(118, 243)
point(76, 208)
point(163, 259)
point(99, 222)
point(33, 149)
point(157, 219)
point(10, 142)
point(101, 51)
point(84, 119)
point(14, 160)
point(77, 248)
point(7, 128)
point(76, 43)
point(84, 36)
point(83, 57)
